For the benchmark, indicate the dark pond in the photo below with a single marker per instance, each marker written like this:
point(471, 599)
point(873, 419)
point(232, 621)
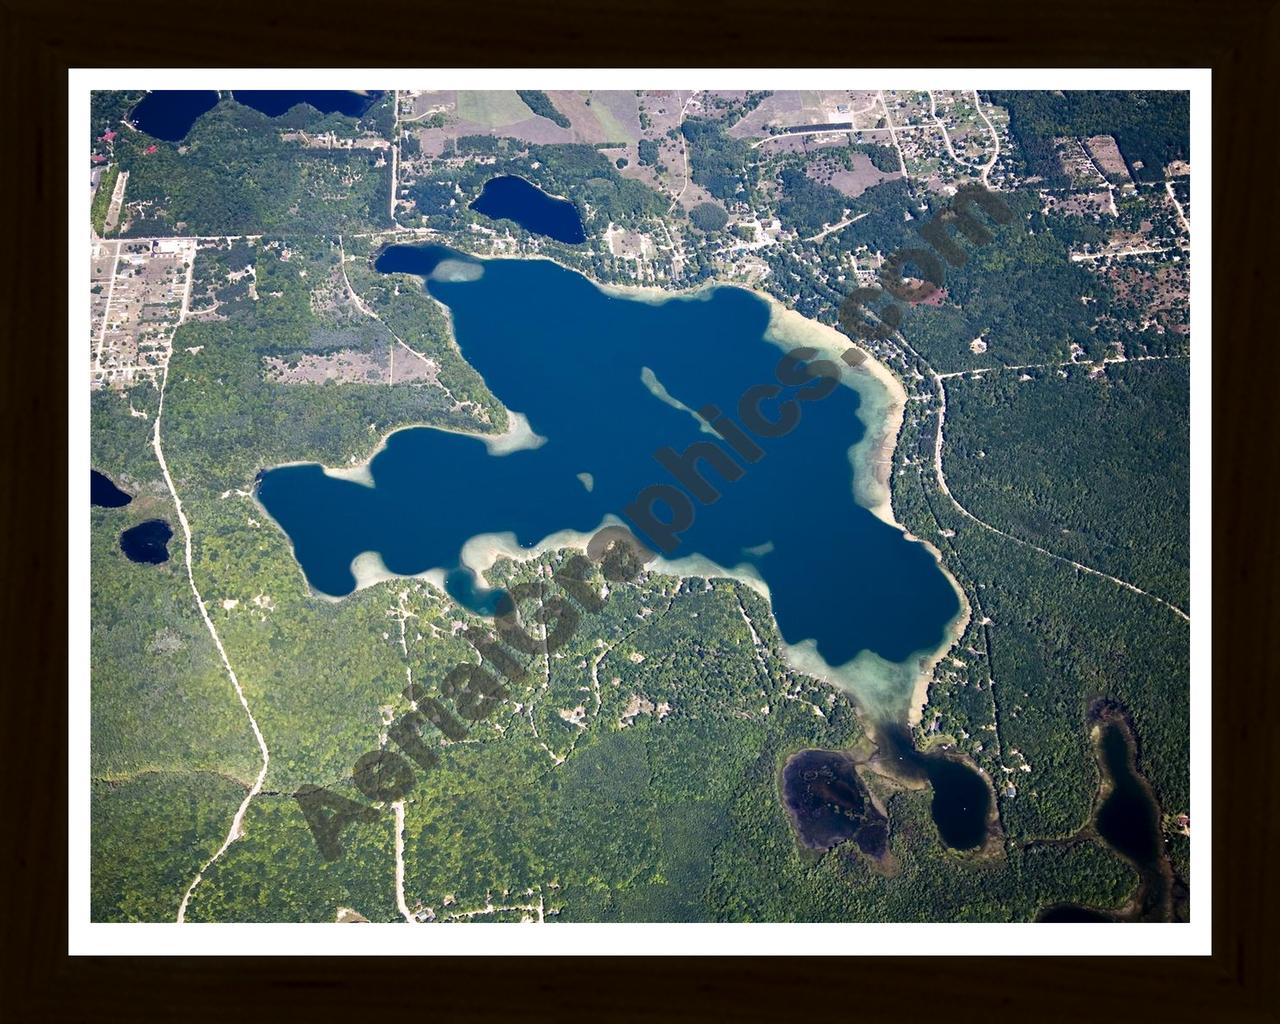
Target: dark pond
point(828, 804)
point(274, 102)
point(512, 198)
point(961, 797)
point(147, 542)
point(961, 802)
point(1127, 818)
point(169, 113)
point(104, 493)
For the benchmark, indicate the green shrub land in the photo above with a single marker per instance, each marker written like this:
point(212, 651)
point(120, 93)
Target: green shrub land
point(102, 199)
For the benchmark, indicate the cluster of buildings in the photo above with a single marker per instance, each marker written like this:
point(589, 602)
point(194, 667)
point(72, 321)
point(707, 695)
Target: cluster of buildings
point(139, 290)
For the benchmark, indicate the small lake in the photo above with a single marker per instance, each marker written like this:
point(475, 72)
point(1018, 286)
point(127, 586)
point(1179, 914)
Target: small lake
point(1127, 818)
point(512, 198)
point(961, 803)
point(104, 493)
point(147, 543)
point(168, 114)
point(608, 383)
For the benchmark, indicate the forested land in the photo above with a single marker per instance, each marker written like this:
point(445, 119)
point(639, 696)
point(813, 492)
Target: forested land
point(149, 835)
point(164, 788)
point(1019, 292)
point(1092, 466)
point(807, 206)
point(540, 103)
point(672, 813)
point(277, 873)
point(1152, 128)
point(1047, 640)
point(234, 174)
point(723, 165)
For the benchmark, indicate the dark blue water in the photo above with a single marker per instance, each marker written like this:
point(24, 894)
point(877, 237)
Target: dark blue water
point(961, 798)
point(104, 493)
point(568, 355)
point(513, 198)
point(147, 542)
point(961, 802)
point(1127, 818)
point(274, 102)
point(168, 114)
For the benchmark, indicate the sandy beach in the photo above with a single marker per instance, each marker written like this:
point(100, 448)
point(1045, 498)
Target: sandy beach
point(883, 402)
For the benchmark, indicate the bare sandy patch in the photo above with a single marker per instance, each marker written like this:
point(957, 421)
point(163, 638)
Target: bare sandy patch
point(347, 366)
point(1106, 154)
point(863, 176)
point(412, 367)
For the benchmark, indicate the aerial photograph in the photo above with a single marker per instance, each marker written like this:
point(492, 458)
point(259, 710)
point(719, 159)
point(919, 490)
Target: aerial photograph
point(638, 506)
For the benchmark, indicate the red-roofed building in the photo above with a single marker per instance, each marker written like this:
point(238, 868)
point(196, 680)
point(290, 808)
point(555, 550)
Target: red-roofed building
point(150, 149)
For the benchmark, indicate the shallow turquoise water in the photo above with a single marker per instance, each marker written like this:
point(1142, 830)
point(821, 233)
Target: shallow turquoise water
point(573, 359)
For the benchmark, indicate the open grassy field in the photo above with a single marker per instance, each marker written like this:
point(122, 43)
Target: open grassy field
point(492, 108)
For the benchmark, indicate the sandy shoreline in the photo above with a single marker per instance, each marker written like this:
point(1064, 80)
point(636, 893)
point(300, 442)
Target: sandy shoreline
point(955, 630)
point(876, 683)
point(881, 415)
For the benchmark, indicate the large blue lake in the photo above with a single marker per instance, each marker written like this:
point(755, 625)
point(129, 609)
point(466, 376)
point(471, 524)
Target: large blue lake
point(603, 379)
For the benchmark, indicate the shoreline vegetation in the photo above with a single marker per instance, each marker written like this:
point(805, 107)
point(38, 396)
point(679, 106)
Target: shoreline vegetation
point(877, 684)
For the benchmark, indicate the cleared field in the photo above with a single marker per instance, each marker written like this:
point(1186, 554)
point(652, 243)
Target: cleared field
point(619, 114)
point(789, 109)
point(492, 108)
point(863, 176)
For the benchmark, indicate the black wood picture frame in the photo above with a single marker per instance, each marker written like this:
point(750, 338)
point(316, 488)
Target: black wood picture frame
point(1238, 39)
